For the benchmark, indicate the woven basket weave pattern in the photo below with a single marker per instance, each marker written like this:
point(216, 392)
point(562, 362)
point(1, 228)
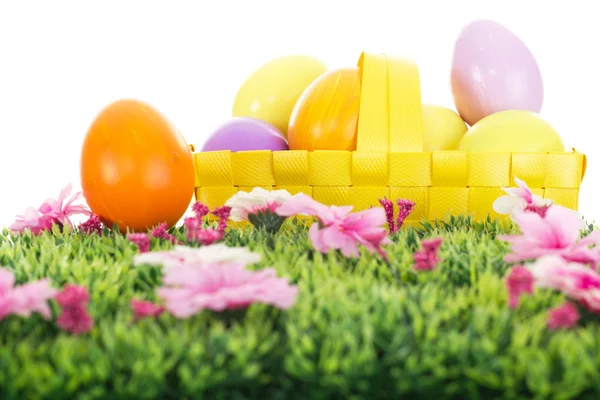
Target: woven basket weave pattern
point(443, 182)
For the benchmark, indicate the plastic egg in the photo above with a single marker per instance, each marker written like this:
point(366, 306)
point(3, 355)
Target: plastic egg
point(512, 131)
point(326, 115)
point(136, 168)
point(493, 70)
point(442, 128)
point(272, 91)
point(244, 134)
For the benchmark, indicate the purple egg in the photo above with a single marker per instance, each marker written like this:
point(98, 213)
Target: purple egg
point(492, 71)
point(245, 133)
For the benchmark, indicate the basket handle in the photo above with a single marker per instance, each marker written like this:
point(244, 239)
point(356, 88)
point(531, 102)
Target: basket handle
point(390, 115)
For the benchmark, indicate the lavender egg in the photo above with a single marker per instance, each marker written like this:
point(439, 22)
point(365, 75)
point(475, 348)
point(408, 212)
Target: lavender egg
point(244, 134)
point(492, 71)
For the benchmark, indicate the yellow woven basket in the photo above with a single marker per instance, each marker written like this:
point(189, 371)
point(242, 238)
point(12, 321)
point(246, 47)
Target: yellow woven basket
point(389, 161)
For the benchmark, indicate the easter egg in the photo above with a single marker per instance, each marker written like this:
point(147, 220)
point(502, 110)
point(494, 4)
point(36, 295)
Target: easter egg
point(512, 131)
point(493, 70)
point(271, 92)
point(326, 115)
point(136, 168)
point(442, 128)
point(244, 134)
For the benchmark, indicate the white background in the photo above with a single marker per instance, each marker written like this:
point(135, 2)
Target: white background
point(61, 62)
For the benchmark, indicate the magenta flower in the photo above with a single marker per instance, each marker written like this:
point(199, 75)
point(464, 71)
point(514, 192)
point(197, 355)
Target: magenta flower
point(74, 318)
point(25, 299)
point(143, 309)
point(540, 210)
point(72, 295)
point(200, 210)
point(388, 208)
point(405, 207)
point(563, 317)
point(208, 236)
point(141, 240)
point(197, 232)
point(92, 225)
point(575, 280)
point(223, 214)
point(160, 232)
point(189, 290)
point(51, 211)
point(518, 282)
point(338, 228)
point(427, 258)
point(556, 233)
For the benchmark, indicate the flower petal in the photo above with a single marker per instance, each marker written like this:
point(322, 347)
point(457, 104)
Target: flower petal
point(505, 204)
point(301, 204)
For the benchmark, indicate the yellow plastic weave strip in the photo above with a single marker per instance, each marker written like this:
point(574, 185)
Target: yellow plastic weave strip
point(373, 126)
point(390, 116)
point(405, 109)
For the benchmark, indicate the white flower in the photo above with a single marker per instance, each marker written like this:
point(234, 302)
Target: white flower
point(244, 203)
point(183, 255)
point(518, 198)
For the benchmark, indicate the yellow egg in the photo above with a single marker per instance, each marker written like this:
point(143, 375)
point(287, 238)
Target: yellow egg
point(442, 128)
point(272, 91)
point(512, 131)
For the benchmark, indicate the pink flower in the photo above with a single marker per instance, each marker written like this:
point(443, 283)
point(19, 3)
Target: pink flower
point(556, 233)
point(25, 299)
point(388, 207)
point(575, 280)
point(141, 240)
point(74, 318)
point(31, 220)
point(517, 198)
point(7, 281)
point(519, 281)
point(563, 317)
point(92, 225)
point(338, 229)
point(160, 232)
point(61, 211)
point(405, 207)
point(427, 258)
point(257, 201)
point(189, 290)
point(51, 211)
point(142, 309)
point(195, 257)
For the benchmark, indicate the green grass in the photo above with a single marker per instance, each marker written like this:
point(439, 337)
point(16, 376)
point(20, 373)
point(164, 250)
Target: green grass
point(357, 331)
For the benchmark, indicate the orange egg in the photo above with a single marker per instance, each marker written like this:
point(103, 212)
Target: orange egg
point(326, 114)
point(136, 168)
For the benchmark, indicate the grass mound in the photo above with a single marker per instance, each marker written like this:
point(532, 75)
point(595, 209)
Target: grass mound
point(357, 331)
